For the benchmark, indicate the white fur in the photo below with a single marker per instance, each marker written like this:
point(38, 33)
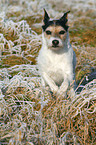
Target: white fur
point(57, 68)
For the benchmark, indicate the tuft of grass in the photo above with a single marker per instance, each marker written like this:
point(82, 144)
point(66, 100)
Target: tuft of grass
point(13, 60)
point(83, 32)
point(31, 20)
point(46, 119)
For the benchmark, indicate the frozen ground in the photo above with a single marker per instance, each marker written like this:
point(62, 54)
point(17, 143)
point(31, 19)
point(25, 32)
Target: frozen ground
point(30, 114)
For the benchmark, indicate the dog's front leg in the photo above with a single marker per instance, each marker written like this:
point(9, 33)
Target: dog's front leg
point(50, 82)
point(72, 89)
point(63, 88)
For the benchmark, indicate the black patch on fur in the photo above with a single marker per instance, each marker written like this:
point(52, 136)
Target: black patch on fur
point(56, 23)
point(46, 17)
point(60, 22)
point(49, 23)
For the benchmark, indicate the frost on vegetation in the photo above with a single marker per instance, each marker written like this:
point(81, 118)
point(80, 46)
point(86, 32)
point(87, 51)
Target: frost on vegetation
point(34, 122)
point(30, 114)
point(24, 41)
point(3, 43)
point(76, 4)
point(33, 115)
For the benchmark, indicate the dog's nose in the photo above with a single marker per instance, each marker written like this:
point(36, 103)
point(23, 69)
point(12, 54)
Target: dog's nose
point(55, 42)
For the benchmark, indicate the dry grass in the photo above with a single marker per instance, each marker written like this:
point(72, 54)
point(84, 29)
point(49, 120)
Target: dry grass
point(30, 114)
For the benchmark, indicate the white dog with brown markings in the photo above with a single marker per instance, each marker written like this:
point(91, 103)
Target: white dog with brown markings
point(56, 59)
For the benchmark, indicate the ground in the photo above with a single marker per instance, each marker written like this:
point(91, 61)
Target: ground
point(30, 114)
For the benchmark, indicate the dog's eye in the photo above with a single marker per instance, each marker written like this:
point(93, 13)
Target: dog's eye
point(48, 32)
point(61, 32)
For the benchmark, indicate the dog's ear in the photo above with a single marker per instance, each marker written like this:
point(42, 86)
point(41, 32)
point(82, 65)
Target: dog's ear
point(65, 17)
point(46, 17)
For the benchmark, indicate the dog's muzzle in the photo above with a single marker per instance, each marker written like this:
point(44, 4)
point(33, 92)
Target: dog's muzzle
point(55, 43)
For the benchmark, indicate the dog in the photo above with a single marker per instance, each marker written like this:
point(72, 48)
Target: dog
point(57, 60)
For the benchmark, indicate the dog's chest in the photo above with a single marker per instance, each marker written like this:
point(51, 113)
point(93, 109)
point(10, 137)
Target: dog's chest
point(57, 63)
point(56, 67)
point(56, 73)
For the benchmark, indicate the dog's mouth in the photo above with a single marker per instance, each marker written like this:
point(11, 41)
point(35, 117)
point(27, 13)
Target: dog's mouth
point(55, 46)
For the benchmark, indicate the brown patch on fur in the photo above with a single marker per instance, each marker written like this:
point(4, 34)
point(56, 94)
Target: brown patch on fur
point(55, 32)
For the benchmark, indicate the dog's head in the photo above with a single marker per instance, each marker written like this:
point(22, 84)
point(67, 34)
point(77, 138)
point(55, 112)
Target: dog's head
point(55, 31)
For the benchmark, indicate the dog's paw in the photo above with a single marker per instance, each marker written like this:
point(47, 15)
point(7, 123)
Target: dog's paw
point(54, 89)
point(61, 93)
point(72, 93)
point(62, 90)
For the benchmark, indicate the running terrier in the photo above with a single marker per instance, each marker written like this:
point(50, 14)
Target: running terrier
point(56, 59)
